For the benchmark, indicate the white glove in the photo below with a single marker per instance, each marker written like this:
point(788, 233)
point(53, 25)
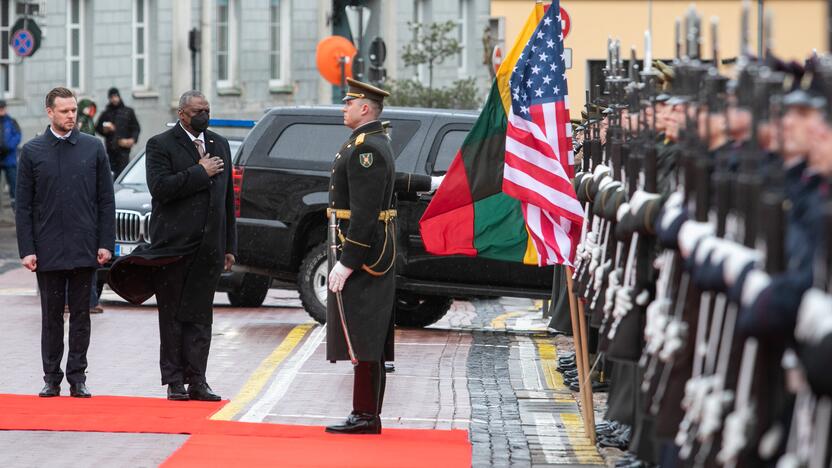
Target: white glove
point(736, 260)
point(814, 318)
point(623, 305)
point(435, 181)
point(657, 320)
point(690, 234)
point(338, 276)
point(755, 282)
point(612, 286)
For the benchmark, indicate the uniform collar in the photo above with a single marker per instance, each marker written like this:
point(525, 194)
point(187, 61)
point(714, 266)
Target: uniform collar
point(372, 126)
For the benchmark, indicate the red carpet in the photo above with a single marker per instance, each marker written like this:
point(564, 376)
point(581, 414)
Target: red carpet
point(103, 414)
point(228, 443)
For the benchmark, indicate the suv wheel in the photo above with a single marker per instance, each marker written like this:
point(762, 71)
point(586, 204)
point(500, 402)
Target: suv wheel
point(420, 311)
point(312, 282)
point(252, 291)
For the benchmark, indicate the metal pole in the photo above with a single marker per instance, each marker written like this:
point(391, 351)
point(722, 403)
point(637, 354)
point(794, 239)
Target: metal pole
point(829, 23)
point(760, 27)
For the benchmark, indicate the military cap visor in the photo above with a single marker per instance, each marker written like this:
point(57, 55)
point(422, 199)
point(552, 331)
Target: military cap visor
point(359, 90)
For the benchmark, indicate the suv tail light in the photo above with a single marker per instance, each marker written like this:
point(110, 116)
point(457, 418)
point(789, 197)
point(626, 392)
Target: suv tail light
point(237, 179)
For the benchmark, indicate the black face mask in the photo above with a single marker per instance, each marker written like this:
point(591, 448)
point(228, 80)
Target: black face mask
point(199, 122)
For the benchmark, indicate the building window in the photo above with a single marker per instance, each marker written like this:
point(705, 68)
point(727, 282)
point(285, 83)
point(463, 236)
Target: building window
point(75, 44)
point(279, 46)
point(421, 15)
point(140, 44)
point(462, 35)
point(6, 75)
point(226, 26)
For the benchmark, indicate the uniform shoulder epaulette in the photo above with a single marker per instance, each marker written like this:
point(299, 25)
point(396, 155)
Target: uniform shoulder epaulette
point(359, 140)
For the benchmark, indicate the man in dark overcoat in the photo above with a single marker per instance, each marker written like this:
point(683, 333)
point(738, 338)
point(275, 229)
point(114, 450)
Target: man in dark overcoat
point(65, 229)
point(361, 196)
point(120, 128)
point(194, 238)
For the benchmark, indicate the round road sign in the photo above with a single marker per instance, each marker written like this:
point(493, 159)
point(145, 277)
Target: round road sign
point(23, 43)
point(565, 22)
point(25, 37)
point(496, 57)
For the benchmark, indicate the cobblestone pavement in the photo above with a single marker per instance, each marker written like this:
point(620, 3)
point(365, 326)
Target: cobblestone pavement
point(487, 366)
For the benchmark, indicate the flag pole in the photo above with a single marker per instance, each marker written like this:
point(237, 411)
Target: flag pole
point(579, 336)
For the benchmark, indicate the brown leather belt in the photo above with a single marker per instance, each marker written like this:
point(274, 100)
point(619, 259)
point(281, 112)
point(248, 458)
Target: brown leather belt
point(385, 215)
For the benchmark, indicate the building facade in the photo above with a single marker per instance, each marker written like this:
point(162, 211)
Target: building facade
point(252, 54)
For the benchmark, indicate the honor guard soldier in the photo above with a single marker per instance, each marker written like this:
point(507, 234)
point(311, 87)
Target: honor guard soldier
point(362, 254)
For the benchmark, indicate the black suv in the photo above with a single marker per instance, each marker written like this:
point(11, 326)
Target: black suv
point(281, 185)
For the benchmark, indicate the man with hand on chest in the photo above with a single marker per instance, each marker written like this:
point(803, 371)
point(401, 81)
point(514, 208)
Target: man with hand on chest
point(193, 232)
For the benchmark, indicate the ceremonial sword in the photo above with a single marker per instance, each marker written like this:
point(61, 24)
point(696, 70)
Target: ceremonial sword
point(333, 254)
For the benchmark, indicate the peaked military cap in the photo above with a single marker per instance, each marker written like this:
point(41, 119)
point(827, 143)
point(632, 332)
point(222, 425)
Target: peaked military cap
point(359, 90)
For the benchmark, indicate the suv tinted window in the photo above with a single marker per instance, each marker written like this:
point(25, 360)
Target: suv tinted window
point(451, 142)
point(309, 142)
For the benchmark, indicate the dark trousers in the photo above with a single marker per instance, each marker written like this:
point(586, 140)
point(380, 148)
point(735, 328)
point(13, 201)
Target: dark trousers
point(184, 346)
point(58, 288)
point(118, 161)
point(368, 387)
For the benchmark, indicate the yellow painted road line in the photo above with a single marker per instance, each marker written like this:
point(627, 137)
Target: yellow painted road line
point(585, 452)
point(549, 362)
point(499, 322)
point(261, 376)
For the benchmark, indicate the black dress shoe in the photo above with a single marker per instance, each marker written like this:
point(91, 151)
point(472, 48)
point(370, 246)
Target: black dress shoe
point(202, 392)
point(357, 424)
point(50, 390)
point(79, 390)
point(176, 392)
point(389, 367)
point(570, 374)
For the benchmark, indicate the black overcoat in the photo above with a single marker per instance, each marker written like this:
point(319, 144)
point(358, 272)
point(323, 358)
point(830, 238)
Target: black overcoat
point(193, 217)
point(65, 207)
point(362, 181)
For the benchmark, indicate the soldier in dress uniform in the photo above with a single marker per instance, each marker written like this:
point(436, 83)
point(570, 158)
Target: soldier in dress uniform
point(361, 197)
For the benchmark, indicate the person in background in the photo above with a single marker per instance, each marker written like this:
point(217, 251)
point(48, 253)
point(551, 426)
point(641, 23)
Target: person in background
point(9, 140)
point(120, 128)
point(86, 116)
point(86, 124)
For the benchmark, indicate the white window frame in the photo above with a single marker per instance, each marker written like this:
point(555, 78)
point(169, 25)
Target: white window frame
point(463, 9)
point(232, 47)
point(420, 16)
point(284, 24)
point(144, 26)
point(8, 61)
point(70, 27)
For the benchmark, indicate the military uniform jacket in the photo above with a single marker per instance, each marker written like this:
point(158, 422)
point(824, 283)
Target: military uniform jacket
point(362, 181)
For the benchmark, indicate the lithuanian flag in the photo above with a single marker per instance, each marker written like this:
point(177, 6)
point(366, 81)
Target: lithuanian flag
point(470, 214)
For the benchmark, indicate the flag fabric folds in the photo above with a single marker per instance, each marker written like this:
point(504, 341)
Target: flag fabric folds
point(539, 158)
point(499, 200)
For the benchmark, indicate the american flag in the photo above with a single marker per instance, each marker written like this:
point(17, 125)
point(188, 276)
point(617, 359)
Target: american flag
point(539, 158)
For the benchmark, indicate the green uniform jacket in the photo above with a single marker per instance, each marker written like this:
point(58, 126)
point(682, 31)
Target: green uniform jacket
point(362, 181)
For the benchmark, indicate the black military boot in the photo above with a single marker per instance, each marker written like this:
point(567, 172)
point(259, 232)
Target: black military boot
point(357, 423)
